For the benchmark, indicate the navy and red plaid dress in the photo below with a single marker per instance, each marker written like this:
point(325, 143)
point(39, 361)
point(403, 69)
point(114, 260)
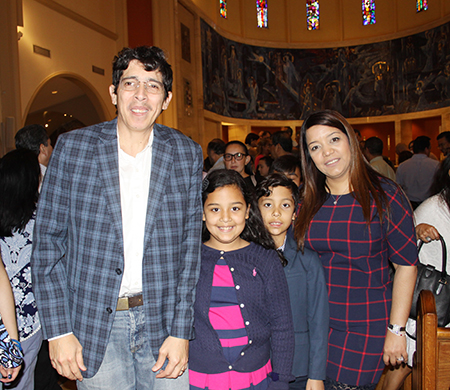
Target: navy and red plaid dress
point(355, 259)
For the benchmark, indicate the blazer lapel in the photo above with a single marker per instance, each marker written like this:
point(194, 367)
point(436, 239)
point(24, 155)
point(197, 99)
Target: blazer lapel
point(161, 167)
point(107, 159)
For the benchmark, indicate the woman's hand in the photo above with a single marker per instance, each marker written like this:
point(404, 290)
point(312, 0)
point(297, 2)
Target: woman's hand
point(426, 232)
point(8, 374)
point(394, 351)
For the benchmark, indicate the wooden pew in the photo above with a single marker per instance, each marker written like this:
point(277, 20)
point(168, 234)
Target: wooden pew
point(431, 369)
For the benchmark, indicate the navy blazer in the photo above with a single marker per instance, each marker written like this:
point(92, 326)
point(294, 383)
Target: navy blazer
point(77, 260)
point(309, 304)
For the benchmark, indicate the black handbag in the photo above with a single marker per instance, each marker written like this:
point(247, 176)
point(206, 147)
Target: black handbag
point(438, 282)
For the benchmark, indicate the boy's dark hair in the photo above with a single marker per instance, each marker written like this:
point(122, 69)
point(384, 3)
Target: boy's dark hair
point(374, 145)
point(269, 160)
point(217, 146)
point(444, 134)
point(263, 189)
point(19, 183)
point(421, 143)
point(254, 230)
point(286, 164)
point(250, 138)
point(31, 137)
point(151, 57)
point(282, 138)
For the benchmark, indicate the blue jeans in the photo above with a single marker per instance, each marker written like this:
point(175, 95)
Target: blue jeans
point(128, 360)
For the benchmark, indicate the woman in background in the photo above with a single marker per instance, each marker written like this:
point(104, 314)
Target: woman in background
point(432, 219)
point(19, 183)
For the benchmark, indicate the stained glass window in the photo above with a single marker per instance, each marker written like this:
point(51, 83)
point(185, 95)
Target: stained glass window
point(368, 12)
point(421, 5)
point(312, 14)
point(261, 13)
point(223, 8)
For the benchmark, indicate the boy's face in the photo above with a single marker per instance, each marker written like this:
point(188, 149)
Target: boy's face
point(277, 211)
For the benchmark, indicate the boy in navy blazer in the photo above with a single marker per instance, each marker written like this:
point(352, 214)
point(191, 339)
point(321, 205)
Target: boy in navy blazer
point(277, 200)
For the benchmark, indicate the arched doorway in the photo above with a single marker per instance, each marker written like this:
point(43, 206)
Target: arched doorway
point(65, 102)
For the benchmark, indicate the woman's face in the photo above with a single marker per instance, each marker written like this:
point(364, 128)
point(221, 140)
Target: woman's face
point(235, 164)
point(330, 151)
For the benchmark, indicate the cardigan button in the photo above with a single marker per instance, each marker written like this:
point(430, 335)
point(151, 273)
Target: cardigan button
point(222, 252)
point(230, 367)
point(232, 269)
point(238, 287)
point(247, 322)
point(242, 353)
point(250, 341)
point(242, 305)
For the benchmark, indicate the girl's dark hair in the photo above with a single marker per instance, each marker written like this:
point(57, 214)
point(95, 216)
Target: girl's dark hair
point(237, 143)
point(364, 180)
point(19, 183)
point(274, 180)
point(254, 230)
point(441, 182)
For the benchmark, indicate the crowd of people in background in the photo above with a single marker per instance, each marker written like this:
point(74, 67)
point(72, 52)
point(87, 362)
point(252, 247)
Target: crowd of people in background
point(277, 254)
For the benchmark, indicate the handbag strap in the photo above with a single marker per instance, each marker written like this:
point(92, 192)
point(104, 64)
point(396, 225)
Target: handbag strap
point(444, 256)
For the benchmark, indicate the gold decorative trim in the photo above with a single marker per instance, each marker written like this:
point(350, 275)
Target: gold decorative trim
point(78, 18)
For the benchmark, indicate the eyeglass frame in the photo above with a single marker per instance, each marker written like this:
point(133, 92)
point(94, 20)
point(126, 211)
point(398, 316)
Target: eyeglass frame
point(229, 156)
point(145, 83)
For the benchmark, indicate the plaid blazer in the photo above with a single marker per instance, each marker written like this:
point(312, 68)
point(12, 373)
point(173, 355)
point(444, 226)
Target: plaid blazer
point(77, 259)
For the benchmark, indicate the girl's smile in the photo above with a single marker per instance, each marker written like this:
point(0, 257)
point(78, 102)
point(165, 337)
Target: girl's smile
point(225, 213)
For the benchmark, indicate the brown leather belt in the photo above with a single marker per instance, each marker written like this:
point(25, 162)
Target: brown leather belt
point(126, 303)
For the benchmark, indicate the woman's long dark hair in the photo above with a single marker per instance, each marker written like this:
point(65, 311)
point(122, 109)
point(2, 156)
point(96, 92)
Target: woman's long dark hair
point(364, 180)
point(19, 183)
point(441, 182)
point(254, 230)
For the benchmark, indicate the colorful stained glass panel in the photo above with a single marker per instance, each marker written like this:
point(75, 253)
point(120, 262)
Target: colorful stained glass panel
point(312, 14)
point(261, 13)
point(368, 12)
point(223, 8)
point(421, 5)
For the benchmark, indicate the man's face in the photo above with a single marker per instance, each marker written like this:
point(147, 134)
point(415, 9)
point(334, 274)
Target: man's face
point(138, 109)
point(444, 146)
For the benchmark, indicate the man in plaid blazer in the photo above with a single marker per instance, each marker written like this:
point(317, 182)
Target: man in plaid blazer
point(116, 247)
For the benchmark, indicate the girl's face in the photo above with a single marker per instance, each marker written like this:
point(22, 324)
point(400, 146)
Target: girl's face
point(235, 164)
point(330, 151)
point(224, 213)
point(277, 211)
point(263, 168)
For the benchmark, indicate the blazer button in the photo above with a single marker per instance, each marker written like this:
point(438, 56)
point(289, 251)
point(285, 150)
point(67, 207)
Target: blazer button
point(118, 271)
point(108, 310)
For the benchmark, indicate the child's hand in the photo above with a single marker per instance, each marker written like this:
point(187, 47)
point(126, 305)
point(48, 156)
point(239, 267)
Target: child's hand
point(9, 374)
point(314, 384)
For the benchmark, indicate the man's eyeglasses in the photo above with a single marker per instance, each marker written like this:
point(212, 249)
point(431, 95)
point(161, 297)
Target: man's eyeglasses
point(236, 156)
point(151, 86)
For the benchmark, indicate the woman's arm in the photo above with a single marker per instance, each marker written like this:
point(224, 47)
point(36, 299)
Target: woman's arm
point(404, 282)
point(8, 313)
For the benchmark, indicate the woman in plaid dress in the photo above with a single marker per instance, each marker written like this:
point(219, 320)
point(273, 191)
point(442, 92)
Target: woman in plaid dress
point(358, 221)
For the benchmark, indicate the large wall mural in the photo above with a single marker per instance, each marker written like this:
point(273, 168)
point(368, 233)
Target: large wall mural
point(392, 77)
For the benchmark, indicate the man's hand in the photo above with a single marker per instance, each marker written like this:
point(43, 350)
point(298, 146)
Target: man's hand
point(9, 374)
point(66, 357)
point(177, 351)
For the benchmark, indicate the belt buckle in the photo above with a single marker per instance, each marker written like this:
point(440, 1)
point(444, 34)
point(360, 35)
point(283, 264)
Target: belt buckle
point(122, 304)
